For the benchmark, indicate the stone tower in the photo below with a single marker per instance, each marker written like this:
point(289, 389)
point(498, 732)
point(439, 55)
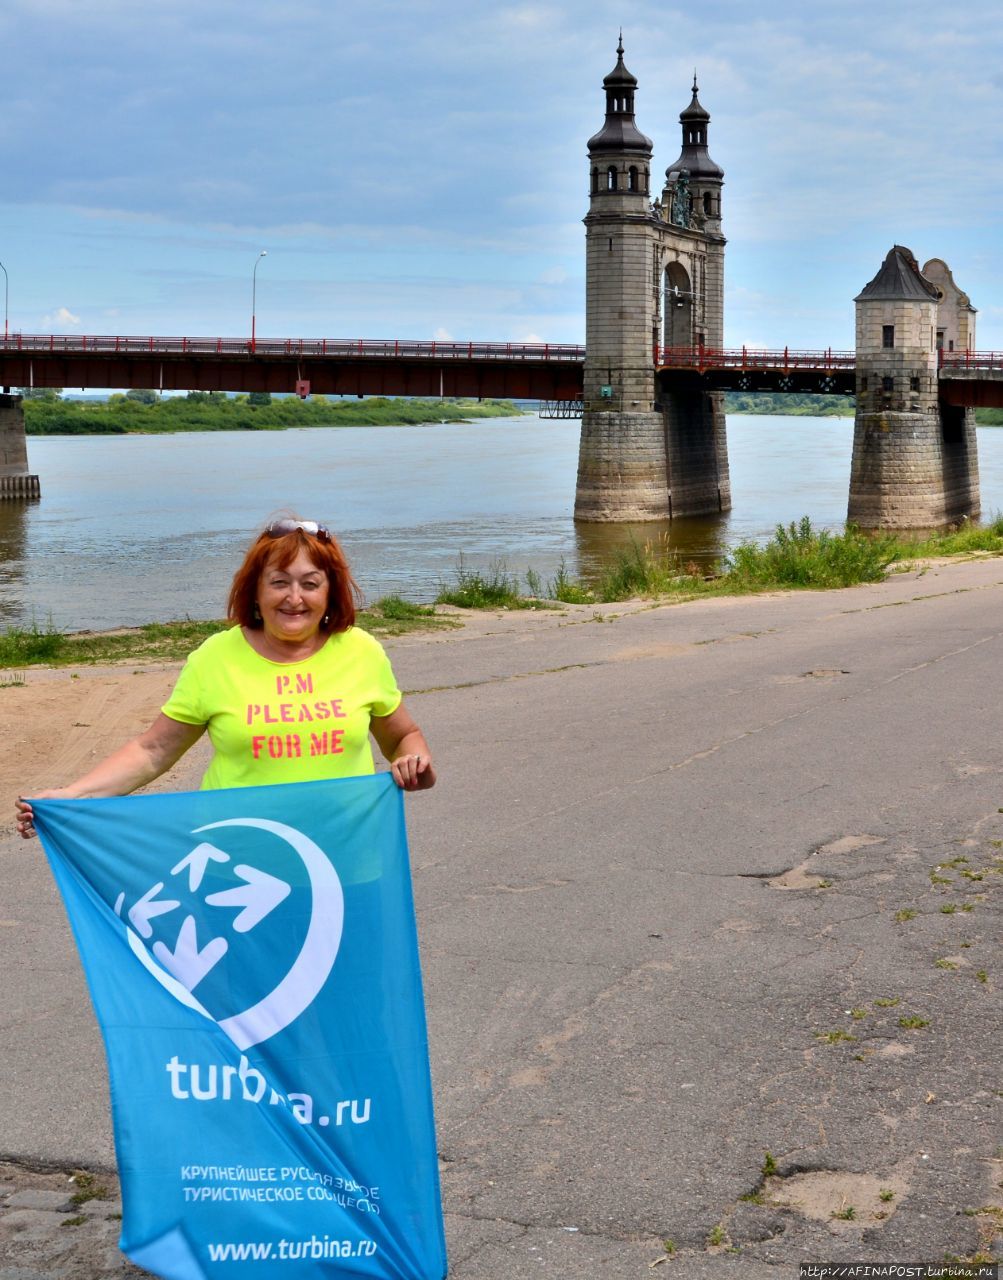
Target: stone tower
point(915, 463)
point(654, 277)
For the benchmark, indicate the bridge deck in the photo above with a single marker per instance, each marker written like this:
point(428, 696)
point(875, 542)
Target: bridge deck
point(332, 366)
point(396, 366)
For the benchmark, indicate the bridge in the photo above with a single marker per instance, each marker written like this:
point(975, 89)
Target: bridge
point(341, 367)
point(551, 372)
point(966, 379)
point(648, 383)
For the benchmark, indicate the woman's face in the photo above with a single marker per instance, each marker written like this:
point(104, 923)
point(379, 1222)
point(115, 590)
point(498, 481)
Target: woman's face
point(292, 599)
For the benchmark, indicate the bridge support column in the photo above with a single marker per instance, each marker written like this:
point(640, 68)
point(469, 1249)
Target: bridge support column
point(622, 473)
point(915, 461)
point(696, 446)
point(15, 479)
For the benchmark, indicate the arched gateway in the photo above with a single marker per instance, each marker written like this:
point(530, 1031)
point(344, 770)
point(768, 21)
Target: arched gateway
point(654, 278)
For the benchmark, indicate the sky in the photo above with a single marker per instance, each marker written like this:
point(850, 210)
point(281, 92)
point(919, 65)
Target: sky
point(420, 170)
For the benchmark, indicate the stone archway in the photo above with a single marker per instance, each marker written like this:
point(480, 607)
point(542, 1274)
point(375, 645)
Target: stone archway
point(677, 307)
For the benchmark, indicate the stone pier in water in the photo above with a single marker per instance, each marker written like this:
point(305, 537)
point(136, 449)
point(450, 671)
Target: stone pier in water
point(16, 481)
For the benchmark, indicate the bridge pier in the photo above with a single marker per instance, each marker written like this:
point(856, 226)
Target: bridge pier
point(654, 277)
point(15, 479)
point(915, 460)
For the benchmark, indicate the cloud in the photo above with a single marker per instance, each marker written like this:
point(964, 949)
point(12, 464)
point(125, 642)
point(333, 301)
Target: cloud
point(62, 320)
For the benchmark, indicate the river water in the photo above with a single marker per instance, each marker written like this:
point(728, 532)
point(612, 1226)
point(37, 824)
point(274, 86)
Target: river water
point(134, 529)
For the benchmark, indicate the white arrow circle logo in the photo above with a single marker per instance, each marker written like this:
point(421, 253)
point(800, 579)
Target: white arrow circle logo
point(309, 971)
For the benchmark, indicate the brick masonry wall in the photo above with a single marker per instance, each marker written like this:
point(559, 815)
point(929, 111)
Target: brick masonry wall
point(697, 453)
point(914, 464)
point(622, 472)
point(13, 446)
point(646, 454)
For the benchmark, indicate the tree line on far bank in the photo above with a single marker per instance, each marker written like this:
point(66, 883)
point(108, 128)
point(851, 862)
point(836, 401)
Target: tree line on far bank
point(145, 411)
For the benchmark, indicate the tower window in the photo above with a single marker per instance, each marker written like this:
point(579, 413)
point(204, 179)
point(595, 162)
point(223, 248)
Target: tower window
point(914, 384)
point(888, 335)
point(595, 180)
point(887, 384)
point(611, 178)
point(708, 210)
point(632, 178)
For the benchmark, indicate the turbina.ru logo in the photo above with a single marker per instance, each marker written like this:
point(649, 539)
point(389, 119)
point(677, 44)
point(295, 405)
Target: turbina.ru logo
point(253, 932)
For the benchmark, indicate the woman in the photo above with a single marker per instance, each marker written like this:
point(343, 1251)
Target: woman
point(290, 693)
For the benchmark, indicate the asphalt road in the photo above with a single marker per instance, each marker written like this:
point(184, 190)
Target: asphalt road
point(686, 920)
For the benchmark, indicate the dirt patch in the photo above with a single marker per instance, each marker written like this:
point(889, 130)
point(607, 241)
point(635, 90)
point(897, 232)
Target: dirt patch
point(802, 877)
point(838, 1199)
point(65, 720)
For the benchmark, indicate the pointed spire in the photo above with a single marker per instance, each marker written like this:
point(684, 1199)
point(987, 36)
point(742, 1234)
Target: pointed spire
point(620, 133)
point(694, 157)
point(620, 74)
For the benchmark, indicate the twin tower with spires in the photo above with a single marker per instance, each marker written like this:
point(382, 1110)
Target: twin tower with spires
point(654, 448)
point(654, 278)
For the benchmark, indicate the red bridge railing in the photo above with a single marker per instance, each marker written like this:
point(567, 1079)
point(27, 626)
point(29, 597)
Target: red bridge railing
point(977, 361)
point(335, 348)
point(751, 358)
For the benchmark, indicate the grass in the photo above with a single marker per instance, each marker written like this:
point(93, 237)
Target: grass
point(495, 589)
point(964, 540)
point(800, 556)
point(173, 641)
point(797, 556)
point(88, 1188)
point(24, 646)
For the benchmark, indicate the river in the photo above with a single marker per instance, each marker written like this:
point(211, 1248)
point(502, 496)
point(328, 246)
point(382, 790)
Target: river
point(134, 529)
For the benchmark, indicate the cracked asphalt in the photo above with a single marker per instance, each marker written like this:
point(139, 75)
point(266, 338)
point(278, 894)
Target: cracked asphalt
point(709, 903)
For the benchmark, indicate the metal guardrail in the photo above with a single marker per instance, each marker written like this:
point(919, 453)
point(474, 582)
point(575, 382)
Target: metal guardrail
point(978, 361)
point(333, 348)
point(703, 358)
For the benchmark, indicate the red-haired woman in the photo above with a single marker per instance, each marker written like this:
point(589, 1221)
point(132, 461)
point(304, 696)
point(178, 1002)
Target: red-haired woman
point(290, 693)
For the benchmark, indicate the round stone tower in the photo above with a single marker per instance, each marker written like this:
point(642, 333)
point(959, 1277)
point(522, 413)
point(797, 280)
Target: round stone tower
point(915, 462)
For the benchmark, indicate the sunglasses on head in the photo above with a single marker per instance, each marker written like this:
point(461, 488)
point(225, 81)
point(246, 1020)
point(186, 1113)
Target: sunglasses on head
point(279, 528)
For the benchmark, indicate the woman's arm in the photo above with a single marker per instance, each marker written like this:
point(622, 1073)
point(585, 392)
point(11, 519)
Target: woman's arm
point(133, 765)
point(404, 745)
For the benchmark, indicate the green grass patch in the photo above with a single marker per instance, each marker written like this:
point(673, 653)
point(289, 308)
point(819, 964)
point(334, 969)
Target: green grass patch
point(25, 646)
point(495, 588)
point(800, 556)
point(965, 539)
point(173, 641)
point(646, 570)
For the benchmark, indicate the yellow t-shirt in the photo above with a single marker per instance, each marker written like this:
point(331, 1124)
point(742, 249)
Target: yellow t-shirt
point(285, 722)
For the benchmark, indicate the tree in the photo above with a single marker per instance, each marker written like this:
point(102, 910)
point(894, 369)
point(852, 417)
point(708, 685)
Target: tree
point(142, 395)
point(257, 398)
point(40, 393)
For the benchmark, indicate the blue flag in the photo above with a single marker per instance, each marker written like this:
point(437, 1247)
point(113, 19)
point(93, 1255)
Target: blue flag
point(253, 961)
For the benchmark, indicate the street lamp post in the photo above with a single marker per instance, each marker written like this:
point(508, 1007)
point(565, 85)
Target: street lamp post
point(254, 296)
point(6, 291)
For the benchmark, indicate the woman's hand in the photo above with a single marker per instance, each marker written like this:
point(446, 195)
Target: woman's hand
point(25, 816)
point(413, 772)
point(404, 745)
